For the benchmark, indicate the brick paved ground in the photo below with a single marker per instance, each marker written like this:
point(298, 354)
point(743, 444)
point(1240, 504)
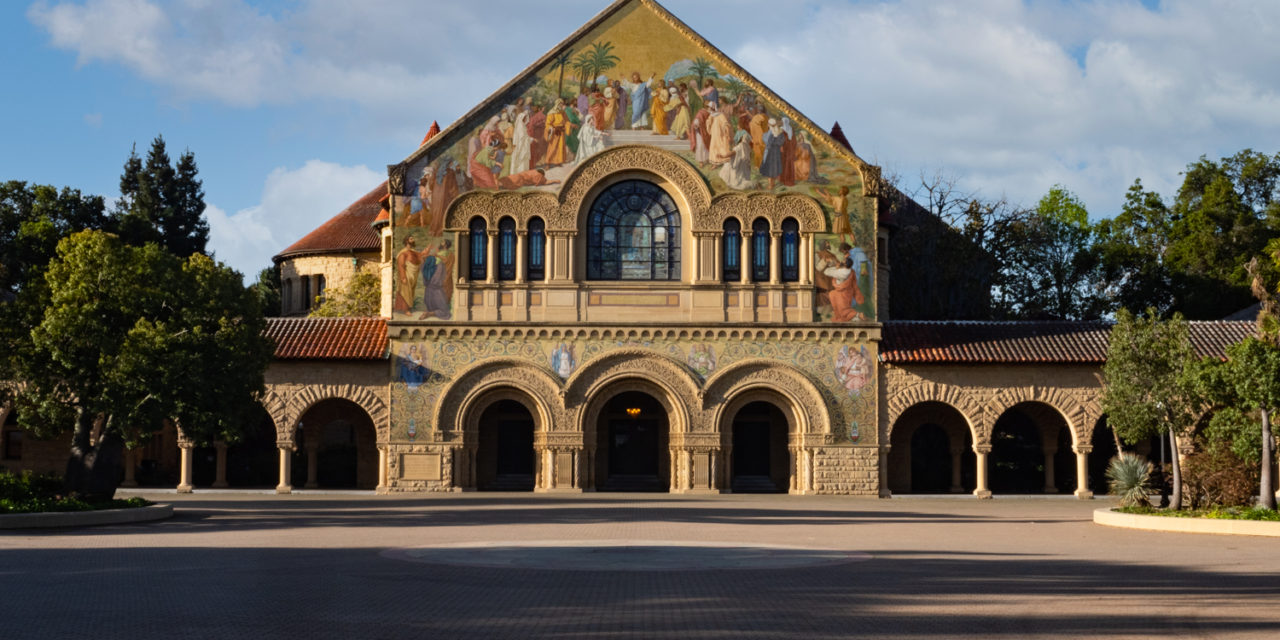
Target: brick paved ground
point(255, 566)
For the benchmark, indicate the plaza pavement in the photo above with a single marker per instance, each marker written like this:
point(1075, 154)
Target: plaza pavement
point(480, 565)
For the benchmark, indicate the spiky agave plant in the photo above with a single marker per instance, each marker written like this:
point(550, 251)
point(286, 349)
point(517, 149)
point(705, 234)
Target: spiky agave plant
point(1129, 476)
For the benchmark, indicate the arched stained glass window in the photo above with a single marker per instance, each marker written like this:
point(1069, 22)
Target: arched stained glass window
point(732, 250)
point(507, 249)
point(479, 247)
point(633, 234)
point(790, 250)
point(537, 249)
point(760, 250)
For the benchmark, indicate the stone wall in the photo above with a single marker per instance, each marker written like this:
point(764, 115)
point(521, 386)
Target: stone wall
point(337, 269)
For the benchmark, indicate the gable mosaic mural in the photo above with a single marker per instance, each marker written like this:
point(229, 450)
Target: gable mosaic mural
point(638, 77)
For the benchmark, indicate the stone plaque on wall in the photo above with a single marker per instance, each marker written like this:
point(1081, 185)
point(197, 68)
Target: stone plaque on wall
point(420, 466)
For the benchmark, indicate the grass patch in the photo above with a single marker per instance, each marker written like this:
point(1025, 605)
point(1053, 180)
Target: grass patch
point(1215, 513)
point(28, 493)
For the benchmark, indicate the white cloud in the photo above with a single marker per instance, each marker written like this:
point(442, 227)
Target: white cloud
point(93, 119)
point(294, 202)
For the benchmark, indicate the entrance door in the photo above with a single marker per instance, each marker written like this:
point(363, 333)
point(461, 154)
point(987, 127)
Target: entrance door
point(505, 460)
point(631, 444)
point(760, 450)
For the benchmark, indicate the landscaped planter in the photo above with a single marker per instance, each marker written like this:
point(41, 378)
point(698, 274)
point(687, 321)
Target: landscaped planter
point(85, 518)
point(1187, 525)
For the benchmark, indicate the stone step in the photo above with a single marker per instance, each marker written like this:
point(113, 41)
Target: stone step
point(754, 484)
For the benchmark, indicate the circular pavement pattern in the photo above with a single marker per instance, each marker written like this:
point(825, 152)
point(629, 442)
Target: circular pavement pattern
point(623, 555)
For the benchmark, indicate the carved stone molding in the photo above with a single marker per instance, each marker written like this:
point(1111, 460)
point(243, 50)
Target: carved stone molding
point(277, 408)
point(623, 158)
point(495, 205)
point(775, 208)
point(790, 389)
point(1066, 402)
point(397, 174)
point(915, 392)
point(670, 382)
point(477, 331)
point(297, 404)
point(476, 387)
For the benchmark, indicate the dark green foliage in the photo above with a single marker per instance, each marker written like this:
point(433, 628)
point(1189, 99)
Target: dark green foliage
point(267, 290)
point(1130, 249)
point(1052, 269)
point(361, 297)
point(134, 336)
point(162, 203)
point(28, 493)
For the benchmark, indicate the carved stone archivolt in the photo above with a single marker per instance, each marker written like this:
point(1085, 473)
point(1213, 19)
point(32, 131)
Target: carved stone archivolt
point(922, 391)
point(495, 205)
point(593, 173)
point(670, 382)
point(277, 408)
point(298, 402)
point(475, 388)
point(790, 389)
point(775, 208)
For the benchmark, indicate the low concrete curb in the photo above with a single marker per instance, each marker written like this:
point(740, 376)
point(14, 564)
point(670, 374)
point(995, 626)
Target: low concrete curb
point(85, 518)
point(1187, 525)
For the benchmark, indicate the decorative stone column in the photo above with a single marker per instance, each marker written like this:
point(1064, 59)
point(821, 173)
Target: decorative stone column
point(313, 464)
point(806, 258)
point(775, 266)
point(981, 491)
point(382, 469)
point(1050, 485)
point(1082, 472)
point(957, 461)
point(717, 269)
point(130, 468)
point(220, 475)
point(186, 450)
point(491, 258)
point(745, 259)
point(286, 467)
point(522, 247)
point(695, 259)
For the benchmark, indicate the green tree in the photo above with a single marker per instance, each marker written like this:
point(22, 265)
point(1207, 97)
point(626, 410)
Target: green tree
point(361, 297)
point(1053, 269)
point(602, 58)
point(1150, 383)
point(584, 66)
point(1131, 250)
point(162, 203)
point(267, 291)
point(1254, 367)
point(131, 337)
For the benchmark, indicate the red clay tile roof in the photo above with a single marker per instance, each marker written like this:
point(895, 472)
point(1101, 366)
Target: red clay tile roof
point(383, 218)
point(431, 133)
point(908, 342)
point(347, 231)
point(838, 135)
point(329, 338)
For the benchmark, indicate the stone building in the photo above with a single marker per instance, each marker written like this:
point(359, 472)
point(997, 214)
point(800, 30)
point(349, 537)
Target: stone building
point(647, 272)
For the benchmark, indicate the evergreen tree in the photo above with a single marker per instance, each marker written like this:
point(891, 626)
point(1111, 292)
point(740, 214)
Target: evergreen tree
point(162, 203)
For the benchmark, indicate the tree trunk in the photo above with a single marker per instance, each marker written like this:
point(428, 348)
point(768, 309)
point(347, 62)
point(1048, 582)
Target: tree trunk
point(93, 471)
point(1266, 489)
point(1175, 502)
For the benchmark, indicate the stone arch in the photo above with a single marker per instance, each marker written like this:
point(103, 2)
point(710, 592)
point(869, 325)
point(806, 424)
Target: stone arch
point(277, 409)
point(733, 387)
point(480, 385)
point(693, 196)
point(672, 383)
point(962, 400)
point(773, 207)
point(492, 205)
point(1059, 400)
point(306, 397)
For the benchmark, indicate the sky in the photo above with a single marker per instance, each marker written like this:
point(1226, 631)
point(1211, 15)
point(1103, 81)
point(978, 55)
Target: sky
point(293, 109)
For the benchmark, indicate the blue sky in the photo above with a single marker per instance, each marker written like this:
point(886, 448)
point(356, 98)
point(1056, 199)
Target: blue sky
point(294, 109)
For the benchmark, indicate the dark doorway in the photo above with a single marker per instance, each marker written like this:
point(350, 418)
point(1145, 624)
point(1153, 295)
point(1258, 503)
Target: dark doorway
point(505, 460)
point(255, 460)
point(341, 436)
point(1104, 449)
point(760, 450)
point(1017, 460)
point(631, 444)
point(930, 460)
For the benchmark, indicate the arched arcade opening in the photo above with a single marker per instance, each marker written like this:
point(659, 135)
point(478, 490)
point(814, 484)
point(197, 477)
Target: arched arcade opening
point(505, 458)
point(760, 461)
point(1031, 451)
point(336, 447)
point(632, 444)
point(931, 451)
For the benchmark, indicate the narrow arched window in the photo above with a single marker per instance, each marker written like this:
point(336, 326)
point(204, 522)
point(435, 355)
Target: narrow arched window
point(320, 288)
point(286, 300)
point(306, 292)
point(732, 250)
point(506, 249)
point(633, 233)
point(790, 250)
point(479, 248)
point(760, 250)
point(537, 249)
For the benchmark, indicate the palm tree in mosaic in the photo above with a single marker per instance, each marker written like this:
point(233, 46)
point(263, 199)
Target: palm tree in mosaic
point(702, 67)
point(582, 65)
point(561, 61)
point(602, 58)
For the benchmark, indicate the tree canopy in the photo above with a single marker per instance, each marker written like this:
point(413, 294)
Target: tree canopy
point(360, 297)
point(162, 202)
point(132, 337)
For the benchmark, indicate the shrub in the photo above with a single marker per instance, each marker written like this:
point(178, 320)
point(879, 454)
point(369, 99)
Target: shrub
point(27, 493)
point(1218, 477)
point(1129, 477)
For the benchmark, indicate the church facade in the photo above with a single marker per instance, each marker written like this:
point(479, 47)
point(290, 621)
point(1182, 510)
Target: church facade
point(635, 267)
